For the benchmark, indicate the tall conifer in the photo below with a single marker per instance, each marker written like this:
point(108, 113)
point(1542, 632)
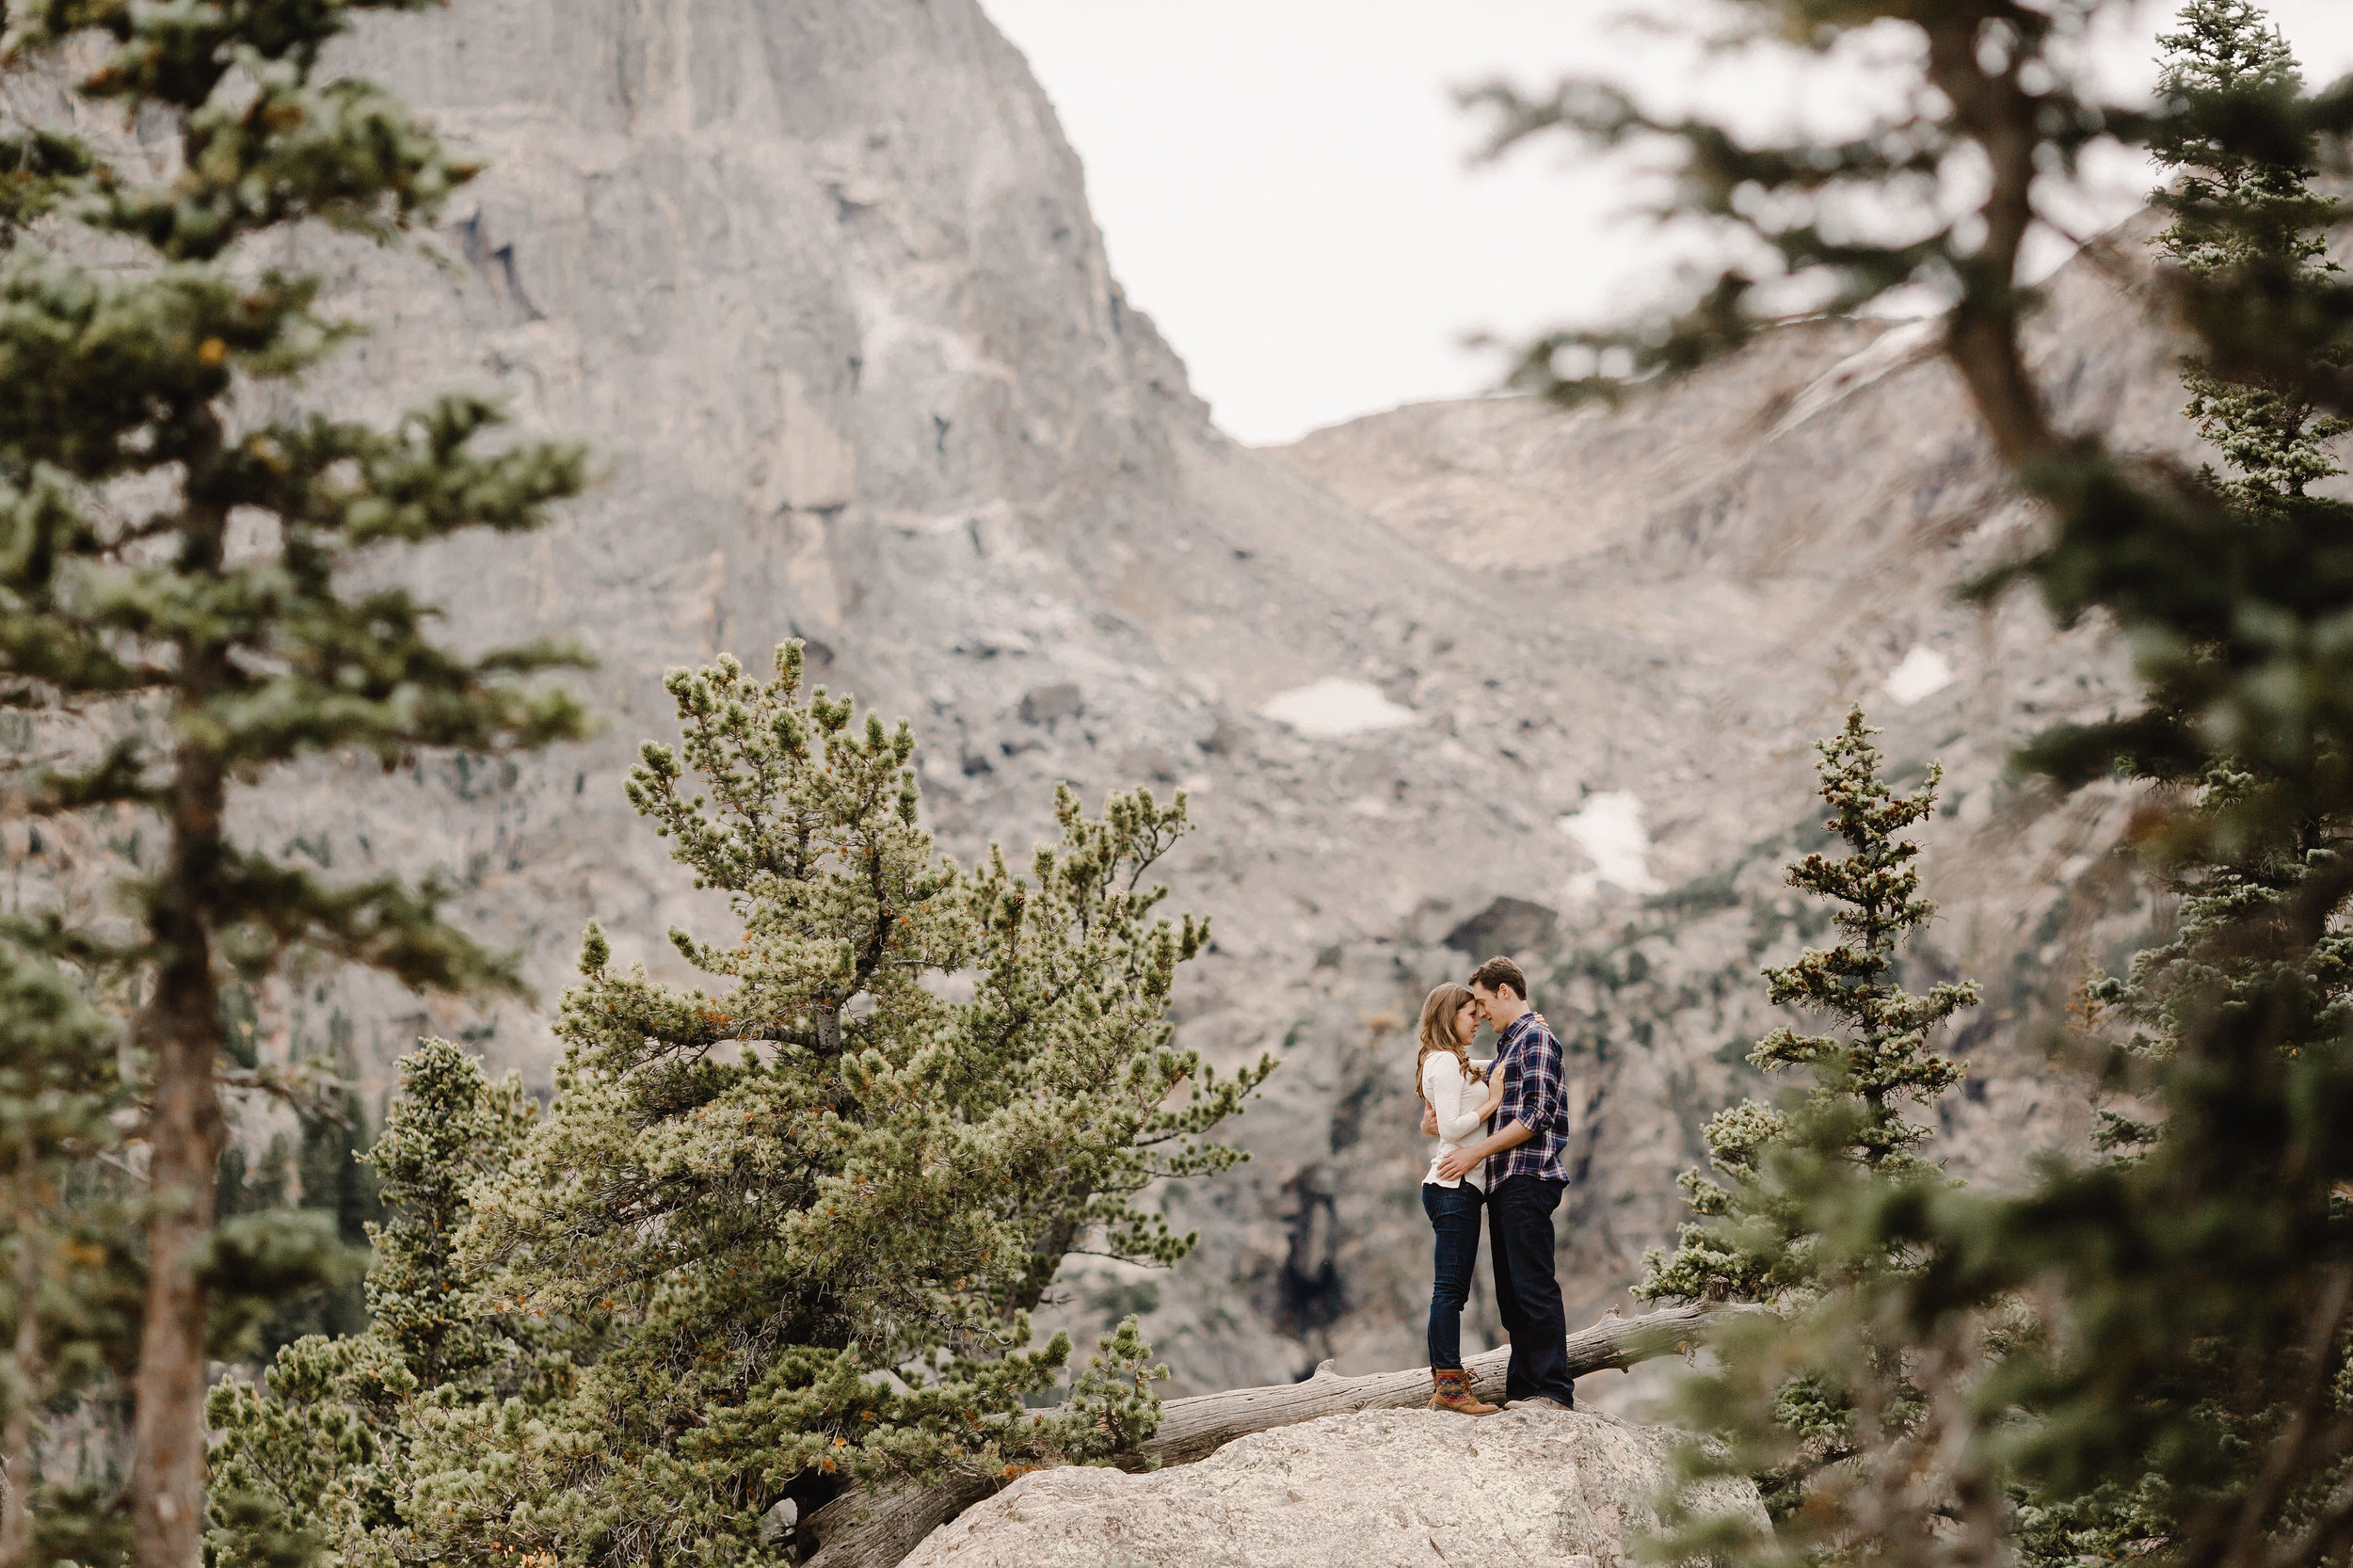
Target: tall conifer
point(2241, 854)
point(2117, 1359)
point(199, 574)
point(2238, 857)
point(1845, 1136)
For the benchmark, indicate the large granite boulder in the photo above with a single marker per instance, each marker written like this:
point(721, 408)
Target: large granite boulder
point(1524, 1489)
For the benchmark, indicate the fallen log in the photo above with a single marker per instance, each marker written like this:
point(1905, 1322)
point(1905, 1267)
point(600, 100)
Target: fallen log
point(876, 1528)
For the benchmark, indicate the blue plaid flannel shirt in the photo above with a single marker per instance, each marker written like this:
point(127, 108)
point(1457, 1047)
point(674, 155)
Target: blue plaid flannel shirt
point(1535, 1094)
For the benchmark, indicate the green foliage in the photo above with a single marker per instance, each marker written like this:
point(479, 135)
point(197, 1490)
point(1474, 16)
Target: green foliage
point(806, 1216)
point(1755, 1237)
point(2226, 587)
point(69, 1298)
point(1752, 1242)
point(2231, 211)
point(2249, 850)
point(322, 1174)
point(313, 1462)
point(307, 1466)
point(2127, 1357)
point(769, 1240)
point(450, 1128)
point(201, 575)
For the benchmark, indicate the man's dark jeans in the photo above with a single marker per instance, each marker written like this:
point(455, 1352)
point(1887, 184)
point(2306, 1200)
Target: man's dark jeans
point(1454, 1215)
point(1527, 1295)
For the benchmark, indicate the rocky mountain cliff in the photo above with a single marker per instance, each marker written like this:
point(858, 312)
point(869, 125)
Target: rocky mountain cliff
point(819, 281)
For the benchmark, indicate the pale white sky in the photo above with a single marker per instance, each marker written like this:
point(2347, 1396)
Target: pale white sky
point(1282, 182)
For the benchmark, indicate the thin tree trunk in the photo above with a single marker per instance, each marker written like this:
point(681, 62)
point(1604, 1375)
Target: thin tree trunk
point(16, 1507)
point(1981, 331)
point(876, 1528)
point(179, 1028)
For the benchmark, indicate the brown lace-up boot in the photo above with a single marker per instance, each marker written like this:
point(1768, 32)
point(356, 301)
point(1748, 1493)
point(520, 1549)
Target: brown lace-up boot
point(1454, 1393)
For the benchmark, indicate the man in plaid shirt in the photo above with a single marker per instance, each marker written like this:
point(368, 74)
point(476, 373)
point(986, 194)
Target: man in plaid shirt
point(1524, 1183)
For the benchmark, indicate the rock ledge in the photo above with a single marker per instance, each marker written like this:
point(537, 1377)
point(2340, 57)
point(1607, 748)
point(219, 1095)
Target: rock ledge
point(1524, 1489)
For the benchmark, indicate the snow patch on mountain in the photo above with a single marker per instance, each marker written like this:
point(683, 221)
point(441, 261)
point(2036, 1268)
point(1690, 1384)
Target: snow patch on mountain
point(1336, 707)
point(1608, 828)
point(1923, 672)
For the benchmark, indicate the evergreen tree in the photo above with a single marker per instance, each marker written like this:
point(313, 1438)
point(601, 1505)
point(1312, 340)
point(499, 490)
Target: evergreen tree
point(202, 575)
point(2231, 209)
point(2145, 1356)
point(450, 1128)
point(1754, 1238)
point(322, 1174)
point(804, 1217)
point(2238, 865)
point(2234, 863)
point(69, 1313)
point(315, 1461)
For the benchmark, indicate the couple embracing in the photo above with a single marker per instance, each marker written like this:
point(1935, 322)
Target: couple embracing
point(1501, 1125)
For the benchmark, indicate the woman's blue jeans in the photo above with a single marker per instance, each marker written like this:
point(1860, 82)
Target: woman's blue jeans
point(1454, 1215)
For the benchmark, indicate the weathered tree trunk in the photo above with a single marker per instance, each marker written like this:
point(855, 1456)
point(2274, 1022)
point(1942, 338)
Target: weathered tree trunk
point(180, 1027)
point(875, 1530)
point(16, 1515)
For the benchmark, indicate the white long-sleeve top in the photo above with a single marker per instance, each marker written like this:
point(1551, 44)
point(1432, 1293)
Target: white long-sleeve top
point(1456, 1099)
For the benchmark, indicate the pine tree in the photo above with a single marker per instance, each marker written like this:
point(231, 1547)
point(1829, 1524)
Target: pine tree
point(2238, 863)
point(2109, 1344)
point(2208, 595)
point(69, 1265)
point(314, 1464)
point(804, 1217)
point(202, 575)
point(1852, 1110)
point(2231, 210)
point(449, 1127)
point(1755, 1237)
point(2235, 859)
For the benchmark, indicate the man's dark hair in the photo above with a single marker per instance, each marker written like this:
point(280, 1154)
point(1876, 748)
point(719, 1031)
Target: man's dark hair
point(1495, 973)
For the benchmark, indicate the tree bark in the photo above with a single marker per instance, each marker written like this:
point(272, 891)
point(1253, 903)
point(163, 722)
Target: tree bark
point(16, 1515)
point(876, 1528)
point(181, 1028)
point(1982, 329)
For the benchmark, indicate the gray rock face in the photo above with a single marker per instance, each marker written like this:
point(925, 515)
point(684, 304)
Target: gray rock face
point(1524, 1489)
point(818, 280)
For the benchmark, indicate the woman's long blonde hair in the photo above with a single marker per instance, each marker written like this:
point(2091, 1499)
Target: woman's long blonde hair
point(1439, 1010)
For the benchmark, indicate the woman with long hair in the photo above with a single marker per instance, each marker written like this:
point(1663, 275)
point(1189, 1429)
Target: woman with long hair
point(1450, 1086)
